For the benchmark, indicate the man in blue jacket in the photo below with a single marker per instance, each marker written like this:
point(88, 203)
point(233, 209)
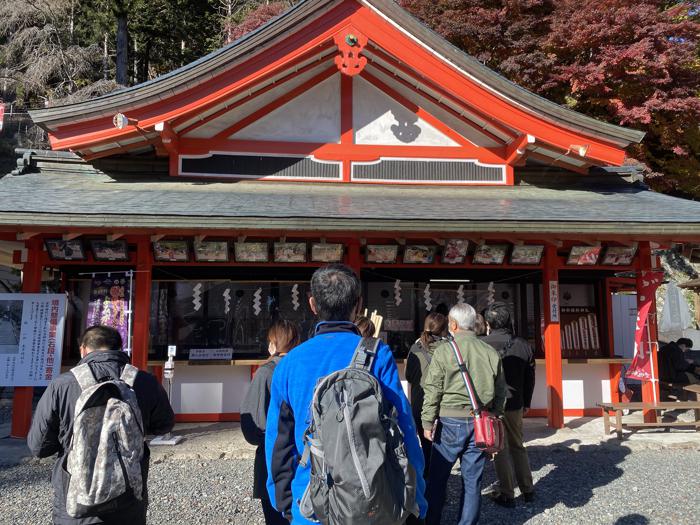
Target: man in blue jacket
point(335, 299)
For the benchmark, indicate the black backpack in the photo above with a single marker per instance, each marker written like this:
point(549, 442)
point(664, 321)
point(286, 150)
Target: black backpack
point(360, 474)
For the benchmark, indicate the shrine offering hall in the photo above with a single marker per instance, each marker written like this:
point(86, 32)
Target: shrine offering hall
point(193, 209)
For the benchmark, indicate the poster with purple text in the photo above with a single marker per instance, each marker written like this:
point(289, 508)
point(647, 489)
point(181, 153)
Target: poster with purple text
point(109, 304)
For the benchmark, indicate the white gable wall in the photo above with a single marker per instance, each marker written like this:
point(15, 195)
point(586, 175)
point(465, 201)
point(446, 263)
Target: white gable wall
point(378, 119)
point(311, 117)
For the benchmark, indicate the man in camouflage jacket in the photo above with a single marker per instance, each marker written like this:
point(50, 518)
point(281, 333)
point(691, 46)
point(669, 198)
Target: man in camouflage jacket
point(101, 348)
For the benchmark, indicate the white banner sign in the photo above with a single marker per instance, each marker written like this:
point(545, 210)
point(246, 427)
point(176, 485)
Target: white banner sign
point(31, 338)
point(554, 301)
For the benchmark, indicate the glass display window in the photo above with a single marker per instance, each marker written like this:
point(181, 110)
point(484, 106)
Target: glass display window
point(224, 314)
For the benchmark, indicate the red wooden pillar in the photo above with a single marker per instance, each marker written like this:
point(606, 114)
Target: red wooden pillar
point(22, 399)
point(552, 339)
point(142, 303)
point(354, 257)
point(650, 389)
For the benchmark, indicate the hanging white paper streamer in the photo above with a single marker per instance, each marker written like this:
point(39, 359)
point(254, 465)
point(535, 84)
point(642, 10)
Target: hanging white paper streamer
point(257, 296)
point(397, 292)
point(227, 300)
point(295, 297)
point(428, 300)
point(492, 293)
point(197, 297)
point(460, 294)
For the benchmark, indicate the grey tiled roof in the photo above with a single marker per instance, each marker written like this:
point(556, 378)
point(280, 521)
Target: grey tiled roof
point(92, 199)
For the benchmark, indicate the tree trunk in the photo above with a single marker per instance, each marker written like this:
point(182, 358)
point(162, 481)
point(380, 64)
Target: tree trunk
point(105, 58)
point(122, 49)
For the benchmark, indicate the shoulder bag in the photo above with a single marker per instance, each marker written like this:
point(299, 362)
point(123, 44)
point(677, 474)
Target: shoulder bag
point(489, 433)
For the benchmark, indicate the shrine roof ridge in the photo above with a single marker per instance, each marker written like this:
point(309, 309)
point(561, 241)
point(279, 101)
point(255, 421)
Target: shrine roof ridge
point(204, 68)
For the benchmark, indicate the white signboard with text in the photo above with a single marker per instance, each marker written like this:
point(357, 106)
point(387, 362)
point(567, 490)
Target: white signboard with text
point(554, 301)
point(31, 338)
point(211, 354)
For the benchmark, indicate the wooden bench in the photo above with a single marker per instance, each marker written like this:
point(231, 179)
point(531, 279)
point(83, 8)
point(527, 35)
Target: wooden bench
point(658, 408)
point(694, 391)
point(672, 391)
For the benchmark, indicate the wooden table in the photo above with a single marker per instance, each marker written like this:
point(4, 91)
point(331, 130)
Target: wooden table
point(658, 408)
point(694, 389)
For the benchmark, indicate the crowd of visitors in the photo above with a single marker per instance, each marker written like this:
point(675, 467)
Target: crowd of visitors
point(337, 439)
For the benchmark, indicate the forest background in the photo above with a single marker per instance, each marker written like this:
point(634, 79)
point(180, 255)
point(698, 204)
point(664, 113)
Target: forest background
point(634, 63)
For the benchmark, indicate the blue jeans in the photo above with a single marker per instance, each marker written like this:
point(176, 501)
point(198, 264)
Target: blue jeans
point(454, 440)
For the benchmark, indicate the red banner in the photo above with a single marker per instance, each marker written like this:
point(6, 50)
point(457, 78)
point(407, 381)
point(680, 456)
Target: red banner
point(641, 367)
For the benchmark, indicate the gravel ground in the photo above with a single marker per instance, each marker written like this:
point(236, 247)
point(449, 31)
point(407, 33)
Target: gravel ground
point(591, 485)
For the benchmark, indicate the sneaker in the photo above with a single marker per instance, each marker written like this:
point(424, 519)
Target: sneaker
point(491, 490)
point(529, 497)
point(503, 501)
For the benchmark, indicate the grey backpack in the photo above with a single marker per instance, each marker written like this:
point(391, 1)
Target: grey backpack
point(106, 448)
point(360, 474)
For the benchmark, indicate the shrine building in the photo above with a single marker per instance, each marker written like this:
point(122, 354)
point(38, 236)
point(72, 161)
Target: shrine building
point(343, 130)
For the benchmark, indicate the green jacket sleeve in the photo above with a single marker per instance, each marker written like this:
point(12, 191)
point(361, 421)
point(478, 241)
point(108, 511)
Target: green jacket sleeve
point(434, 388)
point(500, 390)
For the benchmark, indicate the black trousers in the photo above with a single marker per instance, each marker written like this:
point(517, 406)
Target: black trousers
point(272, 516)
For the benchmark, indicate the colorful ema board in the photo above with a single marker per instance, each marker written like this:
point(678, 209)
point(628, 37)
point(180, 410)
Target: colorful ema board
point(490, 254)
point(109, 250)
point(584, 255)
point(60, 250)
point(211, 251)
point(171, 251)
point(419, 254)
point(327, 253)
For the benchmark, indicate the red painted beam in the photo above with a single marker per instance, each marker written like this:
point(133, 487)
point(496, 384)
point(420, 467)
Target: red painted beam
point(356, 152)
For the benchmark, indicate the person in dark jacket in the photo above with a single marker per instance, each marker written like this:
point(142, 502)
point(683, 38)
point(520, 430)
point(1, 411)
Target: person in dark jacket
point(518, 361)
point(673, 366)
point(282, 337)
point(417, 362)
point(50, 433)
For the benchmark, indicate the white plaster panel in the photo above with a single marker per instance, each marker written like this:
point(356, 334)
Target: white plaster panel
point(470, 132)
point(583, 385)
point(311, 117)
point(240, 111)
point(207, 389)
point(378, 119)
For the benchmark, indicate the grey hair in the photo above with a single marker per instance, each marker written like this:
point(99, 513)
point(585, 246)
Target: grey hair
point(464, 315)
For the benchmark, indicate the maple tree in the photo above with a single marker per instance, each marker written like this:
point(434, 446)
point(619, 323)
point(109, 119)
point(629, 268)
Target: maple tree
point(629, 62)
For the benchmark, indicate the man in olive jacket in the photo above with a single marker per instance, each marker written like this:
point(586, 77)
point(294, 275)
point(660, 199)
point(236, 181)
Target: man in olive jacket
point(51, 431)
point(448, 417)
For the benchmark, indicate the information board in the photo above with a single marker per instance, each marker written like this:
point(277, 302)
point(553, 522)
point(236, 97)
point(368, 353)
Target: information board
point(31, 338)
